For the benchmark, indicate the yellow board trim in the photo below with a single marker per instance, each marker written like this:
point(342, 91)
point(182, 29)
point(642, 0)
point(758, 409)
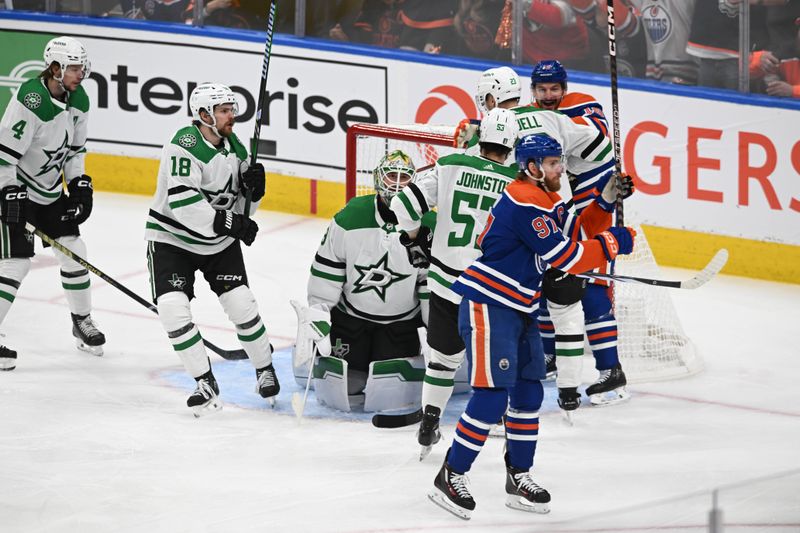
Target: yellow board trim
point(290, 194)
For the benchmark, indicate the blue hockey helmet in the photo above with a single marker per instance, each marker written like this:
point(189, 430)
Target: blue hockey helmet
point(549, 71)
point(535, 148)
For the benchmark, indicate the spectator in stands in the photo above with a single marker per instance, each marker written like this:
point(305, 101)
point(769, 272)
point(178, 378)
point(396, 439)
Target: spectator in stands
point(666, 26)
point(630, 38)
point(476, 23)
point(428, 26)
point(555, 28)
point(785, 81)
point(377, 22)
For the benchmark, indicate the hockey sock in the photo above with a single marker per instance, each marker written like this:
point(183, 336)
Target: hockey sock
point(176, 317)
point(522, 423)
point(437, 386)
point(12, 272)
point(485, 409)
point(75, 278)
point(568, 323)
point(240, 306)
point(546, 331)
point(602, 334)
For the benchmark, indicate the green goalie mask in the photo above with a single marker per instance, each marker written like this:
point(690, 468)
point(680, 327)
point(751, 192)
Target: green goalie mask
point(395, 171)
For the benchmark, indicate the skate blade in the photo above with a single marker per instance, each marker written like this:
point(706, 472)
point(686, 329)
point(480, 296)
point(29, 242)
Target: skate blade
point(210, 407)
point(441, 500)
point(94, 350)
point(568, 417)
point(424, 452)
point(612, 397)
point(521, 504)
point(8, 365)
point(551, 376)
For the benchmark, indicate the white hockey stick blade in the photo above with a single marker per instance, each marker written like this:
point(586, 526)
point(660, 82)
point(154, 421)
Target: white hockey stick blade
point(298, 405)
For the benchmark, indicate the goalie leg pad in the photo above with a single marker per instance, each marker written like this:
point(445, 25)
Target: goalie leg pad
point(394, 384)
point(242, 310)
point(330, 382)
point(176, 317)
point(568, 324)
point(74, 278)
point(12, 272)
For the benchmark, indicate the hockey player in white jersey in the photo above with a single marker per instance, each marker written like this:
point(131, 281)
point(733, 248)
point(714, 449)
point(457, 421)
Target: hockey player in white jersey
point(374, 299)
point(195, 223)
point(42, 138)
point(464, 187)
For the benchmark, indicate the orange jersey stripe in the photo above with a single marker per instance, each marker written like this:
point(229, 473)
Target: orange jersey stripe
point(603, 335)
point(469, 432)
point(479, 354)
point(548, 327)
point(593, 257)
point(565, 256)
point(519, 425)
point(501, 288)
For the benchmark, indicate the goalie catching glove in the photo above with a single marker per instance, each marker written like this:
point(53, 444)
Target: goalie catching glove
point(418, 248)
point(616, 241)
point(253, 179)
point(313, 326)
point(608, 198)
point(466, 131)
point(237, 226)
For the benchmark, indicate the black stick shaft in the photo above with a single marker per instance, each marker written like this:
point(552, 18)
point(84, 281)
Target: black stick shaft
point(612, 66)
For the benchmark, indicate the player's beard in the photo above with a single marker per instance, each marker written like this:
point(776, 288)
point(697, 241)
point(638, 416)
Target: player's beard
point(226, 130)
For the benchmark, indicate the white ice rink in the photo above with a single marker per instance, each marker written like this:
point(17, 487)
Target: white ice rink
point(107, 444)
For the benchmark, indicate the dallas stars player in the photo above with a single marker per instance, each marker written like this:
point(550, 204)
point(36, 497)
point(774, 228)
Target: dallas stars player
point(363, 284)
point(42, 133)
point(195, 223)
point(465, 187)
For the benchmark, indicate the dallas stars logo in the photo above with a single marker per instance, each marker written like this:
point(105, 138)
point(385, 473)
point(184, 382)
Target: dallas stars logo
point(377, 277)
point(223, 198)
point(55, 158)
point(179, 282)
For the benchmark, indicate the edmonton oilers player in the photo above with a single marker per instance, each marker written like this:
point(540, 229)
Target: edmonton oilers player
point(528, 229)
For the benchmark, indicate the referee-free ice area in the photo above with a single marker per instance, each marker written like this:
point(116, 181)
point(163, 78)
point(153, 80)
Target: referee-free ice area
point(100, 444)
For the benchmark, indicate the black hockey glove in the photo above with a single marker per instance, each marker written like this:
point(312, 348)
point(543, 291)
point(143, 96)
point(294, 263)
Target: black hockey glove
point(418, 249)
point(237, 226)
point(253, 179)
point(79, 203)
point(12, 204)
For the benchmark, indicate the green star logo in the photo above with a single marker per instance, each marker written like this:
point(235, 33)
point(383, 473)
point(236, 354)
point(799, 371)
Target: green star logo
point(223, 198)
point(377, 277)
point(55, 158)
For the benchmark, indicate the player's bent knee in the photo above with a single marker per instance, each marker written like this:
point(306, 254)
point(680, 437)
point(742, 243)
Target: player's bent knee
point(75, 244)
point(567, 318)
point(490, 404)
point(174, 311)
point(15, 268)
point(527, 396)
point(239, 304)
point(441, 361)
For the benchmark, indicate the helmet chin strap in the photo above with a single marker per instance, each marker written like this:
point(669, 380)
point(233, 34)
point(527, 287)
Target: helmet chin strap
point(213, 124)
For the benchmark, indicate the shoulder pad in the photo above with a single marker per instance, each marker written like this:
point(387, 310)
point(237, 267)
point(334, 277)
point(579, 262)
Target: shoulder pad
point(190, 139)
point(359, 213)
point(35, 97)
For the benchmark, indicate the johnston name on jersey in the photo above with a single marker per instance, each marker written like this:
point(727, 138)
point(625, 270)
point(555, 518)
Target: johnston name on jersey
point(196, 179)
point(41, 136)
point(464, 187)
point(362, 268)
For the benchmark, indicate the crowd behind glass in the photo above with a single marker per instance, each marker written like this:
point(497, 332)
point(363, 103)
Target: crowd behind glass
point(684, 42)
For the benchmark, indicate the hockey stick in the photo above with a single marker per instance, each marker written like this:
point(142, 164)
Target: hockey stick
point(701, 278)
point(273, 7)
point(396, 421)
point(225, 354)
point(299, 402)
point(612, 66)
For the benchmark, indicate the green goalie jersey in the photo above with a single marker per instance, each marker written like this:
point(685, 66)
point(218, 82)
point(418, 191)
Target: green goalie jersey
point(41, 136)
point(361, 267)
point(463, 188)
point(195, 180)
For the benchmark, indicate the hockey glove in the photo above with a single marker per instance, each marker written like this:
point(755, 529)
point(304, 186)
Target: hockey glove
point(419, 248)
point(12, 204)
point(608, 199)
point(616, 241)
point(314, 324)
point(466, 131)
point(79, 203)
point(237, 226)
point(253, 179)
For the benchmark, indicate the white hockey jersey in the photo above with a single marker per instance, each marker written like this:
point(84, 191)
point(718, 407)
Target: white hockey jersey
point(196, 179)
point(464, 187)
point(361, 267)
point(41, 136)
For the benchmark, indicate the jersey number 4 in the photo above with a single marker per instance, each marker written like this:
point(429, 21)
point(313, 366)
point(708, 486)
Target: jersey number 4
point(19, 129)
point(474, 202)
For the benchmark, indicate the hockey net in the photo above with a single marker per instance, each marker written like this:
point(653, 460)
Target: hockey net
point(652, 343)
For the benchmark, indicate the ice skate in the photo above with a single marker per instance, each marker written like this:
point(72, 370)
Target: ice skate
point(523, 493)
point(609, 389)
point(87, 337)
point(451, 493)
point(551, 372)
point(267, 385)
point(569, 399)
point(428, 433)
point(205, 398)
point(8, 359)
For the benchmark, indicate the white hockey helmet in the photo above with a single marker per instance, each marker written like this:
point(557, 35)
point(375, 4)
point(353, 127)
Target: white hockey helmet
point(207, 96)
point(502, 83)
point(394, 171)
point(499, 126)
point(67, 51)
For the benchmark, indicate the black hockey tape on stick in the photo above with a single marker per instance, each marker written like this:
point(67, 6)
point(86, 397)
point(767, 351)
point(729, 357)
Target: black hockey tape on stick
point(225, 354)
point(612, 67)
point(397, 421)
point(701, 278)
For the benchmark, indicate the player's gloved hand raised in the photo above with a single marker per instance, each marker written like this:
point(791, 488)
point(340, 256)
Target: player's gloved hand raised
point(254, 179)
point(80, 200)
point(237, 226)
point(467, 129)
point(608, 197)
point(418, 248)
point(616, 241)
point(12, 204)
point(313, 323)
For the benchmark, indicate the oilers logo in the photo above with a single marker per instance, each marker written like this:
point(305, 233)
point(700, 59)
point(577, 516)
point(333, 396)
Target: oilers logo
point(657, 22)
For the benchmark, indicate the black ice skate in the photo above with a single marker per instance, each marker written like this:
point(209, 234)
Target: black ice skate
point(551, 371)
point(205, 398)
point(609, 387)
point(523, 493)
point(8, 359)
point(87, 337)
point(267, 385)
point(569, 399)
point(428, 433)
point(451, 492)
